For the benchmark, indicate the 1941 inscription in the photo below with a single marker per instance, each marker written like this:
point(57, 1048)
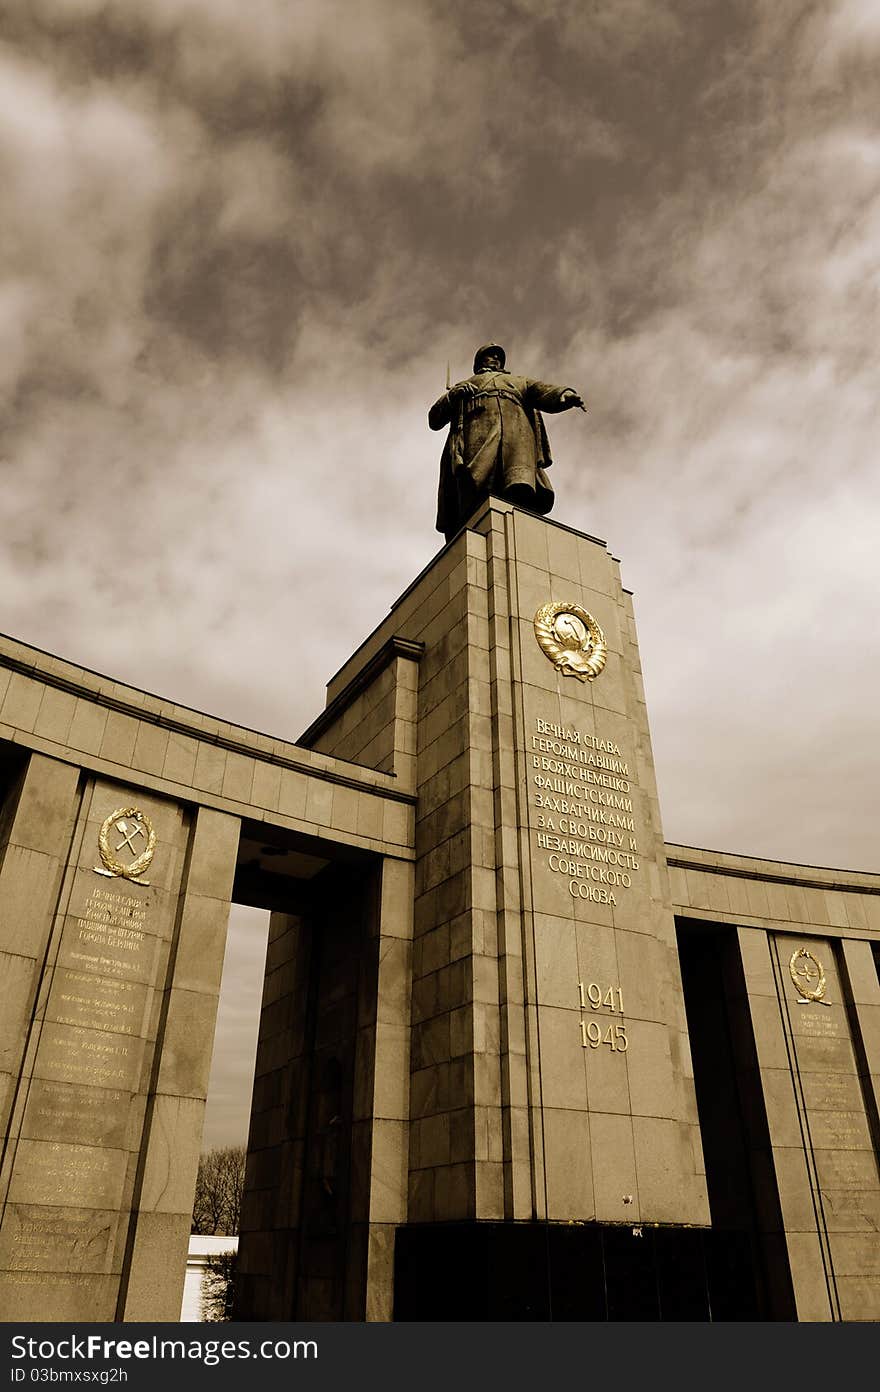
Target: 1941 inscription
point(585, 818)
point(599, 997)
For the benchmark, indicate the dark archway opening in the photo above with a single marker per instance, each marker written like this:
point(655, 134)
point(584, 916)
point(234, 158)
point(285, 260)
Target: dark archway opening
point(743, 1195)
point(303, 1236)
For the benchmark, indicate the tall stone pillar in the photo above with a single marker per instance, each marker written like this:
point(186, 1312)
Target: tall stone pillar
point(169, 1159)
point(115, 902)
point(387, 1091)
point(37, 826)
point(552, 1074)
point(812, 1053)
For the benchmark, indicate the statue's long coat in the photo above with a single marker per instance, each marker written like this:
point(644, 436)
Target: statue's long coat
point(496, 439)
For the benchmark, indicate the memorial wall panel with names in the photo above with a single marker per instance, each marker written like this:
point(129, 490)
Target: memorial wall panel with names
point(83, 1099)
point(837, 1128)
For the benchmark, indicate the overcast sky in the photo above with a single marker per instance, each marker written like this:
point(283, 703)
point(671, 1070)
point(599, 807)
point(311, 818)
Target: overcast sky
point(240, 242)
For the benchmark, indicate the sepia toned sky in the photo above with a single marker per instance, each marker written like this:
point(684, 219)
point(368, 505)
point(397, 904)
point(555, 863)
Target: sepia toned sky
point(240, 242)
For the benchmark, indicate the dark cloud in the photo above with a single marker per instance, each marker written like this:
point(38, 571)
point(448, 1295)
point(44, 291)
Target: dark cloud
point(240, 243)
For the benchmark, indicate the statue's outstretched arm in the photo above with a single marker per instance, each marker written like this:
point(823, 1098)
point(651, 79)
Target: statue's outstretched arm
point(545, 397)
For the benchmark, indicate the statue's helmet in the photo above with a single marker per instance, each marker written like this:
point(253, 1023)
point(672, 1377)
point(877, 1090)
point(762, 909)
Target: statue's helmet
point(484, 352)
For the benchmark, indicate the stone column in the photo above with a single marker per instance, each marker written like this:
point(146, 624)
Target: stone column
point(784, 1190)
point(37, 826)
point(821, 1113)
point(541, 880)
point(114, 1071)
point(165, 1189)
point(862, 975)
point(596, 1086)
point(389, 1090)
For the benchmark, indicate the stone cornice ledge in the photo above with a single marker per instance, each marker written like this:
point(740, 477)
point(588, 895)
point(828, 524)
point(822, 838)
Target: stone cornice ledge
point(373, 781)
point(774, 877)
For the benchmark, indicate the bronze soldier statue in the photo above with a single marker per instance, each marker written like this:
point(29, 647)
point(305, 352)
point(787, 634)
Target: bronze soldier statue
point(497, 442)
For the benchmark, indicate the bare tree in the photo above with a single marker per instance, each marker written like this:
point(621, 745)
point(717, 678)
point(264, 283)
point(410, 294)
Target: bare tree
point(217, 1207)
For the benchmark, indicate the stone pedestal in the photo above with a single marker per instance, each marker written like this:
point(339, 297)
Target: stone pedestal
point(551, 1072)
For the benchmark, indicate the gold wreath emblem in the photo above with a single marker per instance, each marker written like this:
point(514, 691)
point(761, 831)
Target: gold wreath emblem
point(572, 639)
point(809, 979)
point(129, 823)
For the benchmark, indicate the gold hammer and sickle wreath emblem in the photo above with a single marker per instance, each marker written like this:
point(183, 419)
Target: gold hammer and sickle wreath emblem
point(571, 639)
point(128, 822)
point(801, 975)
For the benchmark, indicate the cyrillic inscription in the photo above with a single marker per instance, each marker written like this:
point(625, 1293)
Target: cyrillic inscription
point(39, 1237)
point(581, 789)
point(101, 1003)
point(83, 1114)
point(57, 1173)
point(115, 921)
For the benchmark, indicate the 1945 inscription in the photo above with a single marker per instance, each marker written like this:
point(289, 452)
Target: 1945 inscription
point(598, 997)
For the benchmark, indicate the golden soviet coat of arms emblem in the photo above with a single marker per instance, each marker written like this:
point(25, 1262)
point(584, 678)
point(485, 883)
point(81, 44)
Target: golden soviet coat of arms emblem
point(808, 975)
point(571, 639)
point(131, 824)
